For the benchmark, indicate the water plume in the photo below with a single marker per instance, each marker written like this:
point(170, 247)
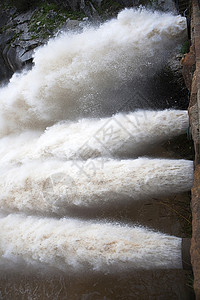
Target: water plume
point(80, 75)
point(121, 135)
point(71, 245)
point(53, 159)
point(55, 186)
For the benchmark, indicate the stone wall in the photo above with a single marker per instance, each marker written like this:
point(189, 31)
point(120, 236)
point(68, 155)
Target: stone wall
point(191, 72)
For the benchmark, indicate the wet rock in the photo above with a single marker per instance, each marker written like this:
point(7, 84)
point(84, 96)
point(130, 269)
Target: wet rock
point(16, 43)
point(193, 116)
point(186, 259)
point(22, 27)
point(168, 5)
point(5, 72)
point(98, 2)
point(27, 56)
point(3, 18)
point(52, 14)
point(6, 37)
point(70, 25)
point(11, 23)
point(188, 63)
point(12, 11)
point(85, 9)
point(125, 2)
point(24, 17)
point(28, 45)
point(13, 55)
point(26, 36)
point(192, 61)
point(195, 248)
point(163, 5)
point(73, 4)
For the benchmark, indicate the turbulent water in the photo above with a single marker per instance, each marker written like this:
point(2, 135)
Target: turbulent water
point(66, 132)
point(79, 75)
point(119, 135)
point(54, 186)
point(71, 244)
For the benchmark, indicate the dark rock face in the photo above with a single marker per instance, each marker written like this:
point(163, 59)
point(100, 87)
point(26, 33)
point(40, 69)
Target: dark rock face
point(188, 63)
point(14, 53)
point(5, 71)
point(195, 249)
point(21, 33)
point(191, 73)
point(4, 17)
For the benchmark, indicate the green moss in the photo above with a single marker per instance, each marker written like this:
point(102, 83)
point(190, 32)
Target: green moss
point(108, 8)
point(185, 47)
point(48, 6)
point(190, 280)
point(33, 37)
point(4, 28)
point(108, 4)
point(49, 17)
point(17, 35)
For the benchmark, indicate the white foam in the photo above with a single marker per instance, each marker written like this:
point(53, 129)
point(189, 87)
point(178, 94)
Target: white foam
point(74, 74)
point(72, 245)
point(54, 186)
point(77, 76)
point(120, 135)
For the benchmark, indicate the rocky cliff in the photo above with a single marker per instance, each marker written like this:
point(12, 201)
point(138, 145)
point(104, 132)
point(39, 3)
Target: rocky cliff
point(191, 72)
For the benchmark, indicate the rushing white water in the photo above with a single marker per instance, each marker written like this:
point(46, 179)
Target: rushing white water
point(54, 186)
point(121, 135)
point(43, 125)
point(68, 244)
point(74, 74)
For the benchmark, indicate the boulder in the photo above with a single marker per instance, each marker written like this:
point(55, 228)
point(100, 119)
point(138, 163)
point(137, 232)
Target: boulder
point(6, 37)
point(4, 17)
point(24, 17)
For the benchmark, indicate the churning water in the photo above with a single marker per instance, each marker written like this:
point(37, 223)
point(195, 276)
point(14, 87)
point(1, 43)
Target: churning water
point(73, 245)
point(65, 137)
point(121, 135)
point(53, 186)
point(81, 75)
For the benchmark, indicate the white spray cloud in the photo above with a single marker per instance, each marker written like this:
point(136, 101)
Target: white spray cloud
point(119, 135)
point(72, 245)
point(74, 73)
point(55, 186)
point(75, 76)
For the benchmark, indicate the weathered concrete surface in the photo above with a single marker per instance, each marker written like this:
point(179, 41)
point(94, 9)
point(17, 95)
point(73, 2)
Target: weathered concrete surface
point(188, 63)
point(195, 246)
point(191, 71)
